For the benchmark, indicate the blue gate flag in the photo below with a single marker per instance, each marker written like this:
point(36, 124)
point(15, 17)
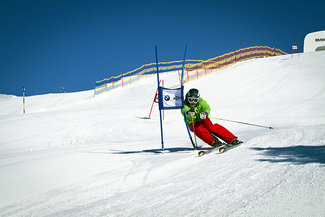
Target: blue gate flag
point(171, 99)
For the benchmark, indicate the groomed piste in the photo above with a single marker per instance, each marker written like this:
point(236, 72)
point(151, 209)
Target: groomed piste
point(74, 154)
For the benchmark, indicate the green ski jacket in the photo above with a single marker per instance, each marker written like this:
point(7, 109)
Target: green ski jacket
point(201, 106)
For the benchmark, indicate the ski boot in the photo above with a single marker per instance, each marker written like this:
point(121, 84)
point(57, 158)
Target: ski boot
point(235, 142)
point(216, 144)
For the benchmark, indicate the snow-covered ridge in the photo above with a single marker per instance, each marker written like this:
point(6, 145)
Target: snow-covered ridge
point(75, 155)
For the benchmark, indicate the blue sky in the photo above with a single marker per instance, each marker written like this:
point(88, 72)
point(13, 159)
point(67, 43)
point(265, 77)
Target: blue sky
point(48, 43)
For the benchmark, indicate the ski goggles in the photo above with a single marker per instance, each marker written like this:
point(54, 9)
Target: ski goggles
point(193, 99)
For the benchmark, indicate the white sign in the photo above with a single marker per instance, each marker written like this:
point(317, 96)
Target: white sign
point(171, 98)
point(294, 47)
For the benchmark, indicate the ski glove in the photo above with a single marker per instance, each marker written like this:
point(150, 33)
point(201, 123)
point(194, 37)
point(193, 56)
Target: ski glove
point(203, 115)
point(191, 113)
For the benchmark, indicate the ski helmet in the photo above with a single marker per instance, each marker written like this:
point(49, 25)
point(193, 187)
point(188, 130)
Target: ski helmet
point(193, 96)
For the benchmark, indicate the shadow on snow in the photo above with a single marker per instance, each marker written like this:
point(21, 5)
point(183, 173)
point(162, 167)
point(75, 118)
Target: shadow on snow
point(156, 151)
point(294, 154)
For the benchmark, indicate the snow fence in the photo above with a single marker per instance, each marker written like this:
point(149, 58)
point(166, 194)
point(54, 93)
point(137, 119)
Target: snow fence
point(193, 68)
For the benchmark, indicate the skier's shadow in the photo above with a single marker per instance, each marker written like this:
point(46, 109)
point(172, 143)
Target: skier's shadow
point(294, 154)
point(155, 151)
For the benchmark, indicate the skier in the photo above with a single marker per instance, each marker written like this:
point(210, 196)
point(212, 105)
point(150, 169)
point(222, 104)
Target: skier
point(196, 113)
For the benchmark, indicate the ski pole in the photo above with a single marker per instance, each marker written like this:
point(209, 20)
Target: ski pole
point(239, 122)
point(194, 133)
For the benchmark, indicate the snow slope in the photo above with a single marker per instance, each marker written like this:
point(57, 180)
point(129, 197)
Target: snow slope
point(75, 155)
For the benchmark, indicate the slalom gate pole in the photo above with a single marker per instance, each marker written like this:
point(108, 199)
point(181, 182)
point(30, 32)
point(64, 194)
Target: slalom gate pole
point(239, 122)
point(182, 85)
point(24, 100)
point(159, 99)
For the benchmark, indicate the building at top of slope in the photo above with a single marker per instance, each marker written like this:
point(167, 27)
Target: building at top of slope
point(314, 41)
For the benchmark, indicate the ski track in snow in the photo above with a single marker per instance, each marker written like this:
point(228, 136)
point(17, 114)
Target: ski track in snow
point(75, 155)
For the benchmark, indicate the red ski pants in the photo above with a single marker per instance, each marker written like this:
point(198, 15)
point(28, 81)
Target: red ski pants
point(205, 127)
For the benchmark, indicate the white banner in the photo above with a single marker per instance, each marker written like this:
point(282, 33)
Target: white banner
point(171, 98)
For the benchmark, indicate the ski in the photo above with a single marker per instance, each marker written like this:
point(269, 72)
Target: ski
point(227, 147)
point(205, 152)
point(220, 149)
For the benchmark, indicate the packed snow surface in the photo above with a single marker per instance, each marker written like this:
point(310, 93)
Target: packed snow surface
point(74, 154)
